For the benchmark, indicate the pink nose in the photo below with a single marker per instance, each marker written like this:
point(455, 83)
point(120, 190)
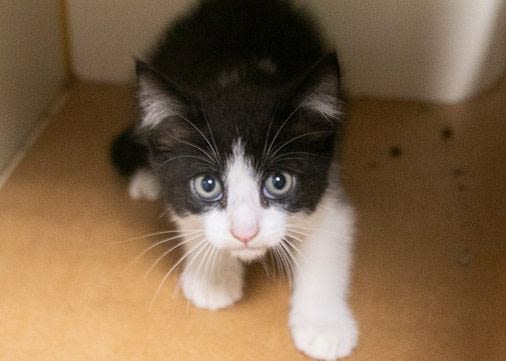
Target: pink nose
point(245, 234)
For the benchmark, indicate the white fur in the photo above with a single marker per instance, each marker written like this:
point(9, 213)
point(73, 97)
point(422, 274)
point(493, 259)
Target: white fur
point(144, 185)
point(321, 322)
point(215, 288)
point(324, 104)
point(155, 104)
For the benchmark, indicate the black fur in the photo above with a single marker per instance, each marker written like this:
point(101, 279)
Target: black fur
point(127, 153)
point(235, 34)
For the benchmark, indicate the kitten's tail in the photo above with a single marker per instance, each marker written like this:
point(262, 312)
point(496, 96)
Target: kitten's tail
point(127, 152)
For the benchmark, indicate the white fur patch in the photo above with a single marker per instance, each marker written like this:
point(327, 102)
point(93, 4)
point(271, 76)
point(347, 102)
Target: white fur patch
point(324, 104)
point(144, 185)
point(156, 105)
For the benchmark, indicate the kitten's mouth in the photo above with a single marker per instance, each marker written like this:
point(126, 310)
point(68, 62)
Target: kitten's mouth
point(248, 254)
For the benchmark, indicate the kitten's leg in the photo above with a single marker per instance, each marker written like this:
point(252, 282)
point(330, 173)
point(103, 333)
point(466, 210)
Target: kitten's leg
point(321, 321)
point(144, 185)
point(210, 279)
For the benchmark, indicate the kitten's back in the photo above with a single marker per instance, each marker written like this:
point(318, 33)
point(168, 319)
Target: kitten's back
point(223, 40)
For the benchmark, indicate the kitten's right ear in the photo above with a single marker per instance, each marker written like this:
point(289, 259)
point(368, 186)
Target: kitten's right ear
point(158, 100)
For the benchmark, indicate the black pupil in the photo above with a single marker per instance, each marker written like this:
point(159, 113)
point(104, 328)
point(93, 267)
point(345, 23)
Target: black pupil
point(279, 181)
point(208, 184)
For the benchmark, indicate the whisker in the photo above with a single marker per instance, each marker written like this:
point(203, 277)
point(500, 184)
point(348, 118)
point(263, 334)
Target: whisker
point(212, 264)
point(287, 240)
point(211, 159)
point(167, 275)
point(202, 134)
point(286, 263)
point(263, 262)
point(291, 256)
point(166, 253)
point(216, 152)
point(144, 237)
point(207, 249)
point(308, 154)
point(295, 229)
point(293, 139)
point(139, 256)
point(274, 259)
point(204, 161)
point(298, 232)
point(282, 126)
point(269, 131)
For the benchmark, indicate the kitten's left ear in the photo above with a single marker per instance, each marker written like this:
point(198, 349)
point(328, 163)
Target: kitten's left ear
point(158, 99)
point(319, 90)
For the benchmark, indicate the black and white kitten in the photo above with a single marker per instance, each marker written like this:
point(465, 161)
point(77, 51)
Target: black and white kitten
point(239, 134)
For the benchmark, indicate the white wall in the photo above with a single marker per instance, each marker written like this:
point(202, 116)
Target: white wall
point(442, 51)
point(31, 68)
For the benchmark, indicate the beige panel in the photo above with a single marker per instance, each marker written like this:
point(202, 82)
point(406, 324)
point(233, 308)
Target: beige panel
point(441, 51)
point(31, 68)
point(106, 35)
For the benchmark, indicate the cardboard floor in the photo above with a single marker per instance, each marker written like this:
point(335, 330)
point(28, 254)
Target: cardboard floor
point(429, 281)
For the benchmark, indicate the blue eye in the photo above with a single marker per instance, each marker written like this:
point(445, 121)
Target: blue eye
point(278, 185)
point(207, 187)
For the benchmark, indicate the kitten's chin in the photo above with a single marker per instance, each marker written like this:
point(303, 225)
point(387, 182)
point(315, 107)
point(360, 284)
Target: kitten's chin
point(248, 254)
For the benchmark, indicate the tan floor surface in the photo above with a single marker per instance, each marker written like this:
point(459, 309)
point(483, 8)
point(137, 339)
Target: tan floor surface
point(429, 183)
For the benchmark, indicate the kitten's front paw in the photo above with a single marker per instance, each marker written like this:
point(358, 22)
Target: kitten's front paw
point(212, 294)
point(324, 340)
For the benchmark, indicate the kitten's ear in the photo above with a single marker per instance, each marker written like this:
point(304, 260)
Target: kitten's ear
point(158, 100)
point(319, 90)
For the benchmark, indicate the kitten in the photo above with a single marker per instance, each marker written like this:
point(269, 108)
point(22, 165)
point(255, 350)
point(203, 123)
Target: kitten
point(239, 134)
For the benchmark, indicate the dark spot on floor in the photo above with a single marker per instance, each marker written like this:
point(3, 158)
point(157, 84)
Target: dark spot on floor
point(466, 257)
point(458, 172)
point(461, 188)
point(395, 151)
point(372, 164)
point(446, 134)
point(422, 108)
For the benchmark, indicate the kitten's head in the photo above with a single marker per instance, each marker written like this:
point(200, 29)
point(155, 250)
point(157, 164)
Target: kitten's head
point(242, 162)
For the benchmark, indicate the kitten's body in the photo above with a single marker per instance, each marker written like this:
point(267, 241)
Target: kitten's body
point(239, 125)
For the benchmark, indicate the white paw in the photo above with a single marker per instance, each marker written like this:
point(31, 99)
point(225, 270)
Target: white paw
point(212, 294)
point(324, 340)
point(144, 185)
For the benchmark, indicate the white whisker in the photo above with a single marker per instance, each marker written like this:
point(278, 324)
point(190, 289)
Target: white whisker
point(166, 253)
point(145, 236)
point(203, 136)
point(216, 152)
point(292, 257)
point(167, 275)
point(281, 127)
point(269, 131)
point(207, 162)
point(287, 240)
point(293, 139)
point(282, 156)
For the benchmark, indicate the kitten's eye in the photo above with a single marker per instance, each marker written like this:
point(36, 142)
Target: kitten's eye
point(278, 185)
point(207, 187)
